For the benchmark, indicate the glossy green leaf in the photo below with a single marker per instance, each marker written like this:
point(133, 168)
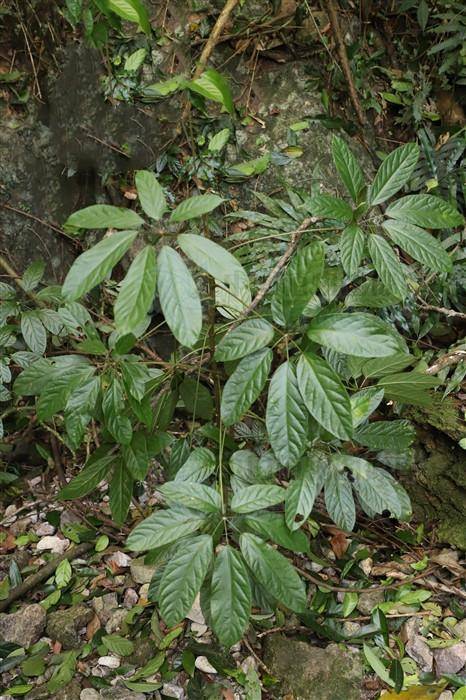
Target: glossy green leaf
point(249, 336)
point(195, 206)
point(324, 395)
point(425, 210)
point(117, 644)
point(200, 464)
point(255, 497)
point(325, 206)
point(150, 194)
point(393, 173)
point(373, 487)
point(179, 297)
point(245, 385)
point(372, 294)
point(304, 489)
point(357, 334)
point(274, 572)
point(93, 266)
point(104, 216)
point(164, 527)
point(364, 403)
point(131, 10)
point(348, 168)
point(339, 499)
point(212, 257)
point(213, 86)
point(120, 492)
point(230, 596)
point(193, 495)
point(387, 265)
point(182, 578)
point(419, 244)
point(272, 526)
point(137, 292)
point(287, 420)
point(409, 387)
point(395, 435)
point(95, 469)
point(298, 283)
point(352, 248)
point(33, 332)
point(389, 365)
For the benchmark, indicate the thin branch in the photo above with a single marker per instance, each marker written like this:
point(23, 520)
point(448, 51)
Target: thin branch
point(11, 272)
point(449, 313)
point(26, 214)
point(451, 358)
point(214, 37)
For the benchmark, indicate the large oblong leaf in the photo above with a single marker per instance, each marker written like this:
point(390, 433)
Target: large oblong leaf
point(339, 499)
point(304, 489)
point(252, 335)
point(274, 572)
point(425, 210)
point(182, 578)
point(387, 265)
point(230, 596)
point(324, 395)
point(393, 173)
point(150, 194)
point(419, 244)
point(92, 474)
point(120, 491)
point(131, 10)
point(357, 334)
point(136, 292)
point(164, 527)
point(192, 495)
point(200, 464)
point(195, 206)
point(257, 496)
point(298, 284)
point(348, 167)
point(213, 86)
point(91, 267)
point(104, 216)
point(179, 297)
point(326, 206)
point(245, 385)
point(351, 248)
point(286, 419)
point(212, 257)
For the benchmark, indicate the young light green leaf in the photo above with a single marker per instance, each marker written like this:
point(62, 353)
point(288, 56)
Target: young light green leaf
point(164, 527)
point(274, 572)
point(33, 332)
point(394, 173)
point(118, 645)
point(249, 336)
point(200, 464)
point(213, 86)
point(150, 194)
point(195, 206)
point(372, 294)
point(94, 471)
point(193, 495)
point(182, 578)
point(257, 496)
point(304, 489)
point(387, 265)
point(219, 140)
point(63, 574)
point(245, 385)
point(298, 283)
point(324, 395)
point(104, 216)
point(91, 268)
point(120, 491)
point(286, 419)
point(351, 248)
point(212, 257)
point(131, 10)
point(179, 297)
point(325, 206)
point(348, 167)
point(339, 499)
point(419, 244)
point(135, 60)
point(395, 435)
point(357, 334)
point(364, 403)
point(136, 292)
point(230, 596)
point(425, 210)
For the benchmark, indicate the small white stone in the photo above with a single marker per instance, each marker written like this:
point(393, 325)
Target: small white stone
point(131, 598)
point(44, 529)
point(195, 614)
point(144, 591)
point(35, 481)
point(119, 559)
point(89, 694)
point(202, 664)
point(54, 543)
point(198, 628)
point(173, 691)
point(366, 565)
point(109, 661)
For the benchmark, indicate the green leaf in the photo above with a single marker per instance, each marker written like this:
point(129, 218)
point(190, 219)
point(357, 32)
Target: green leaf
point(364, 403)
point(197, 398)
point(33, 275)
point(298, 284)
point(252, 335)
point(272, 526)
point(213, 86)
point(357, 334)
point(95, 469)
point(195, 206)
point(136, 456)
point(352, 248)
point(120, 491)
point(304, 489)
point(394, 173)
point(179, 297)
point(182, 578)
point(245, 385)
point(389, 365)
point(325, 206)
point(371, 294)
point(131, 10)
point(395, 435)
point(324, 395)
point(136, 293)
point(230, 597)
point(219, 140)
point(193, 495)
point(286, 419)
point(377, 665)
point(348, 167)
point(373, 487)
point(409, 387)
point(200, 464)
point(425, 210)
point(164, 527)
point(339, 499)
point(91, 267)
point(274, 572)
point(251, 498)
point(63, 574)
point(118, 645)
point(419, 244)
point(150, 194)
point(135, 61)
point(33, 332)
point(387, 265)
point(104, 216)
point(212, 257)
